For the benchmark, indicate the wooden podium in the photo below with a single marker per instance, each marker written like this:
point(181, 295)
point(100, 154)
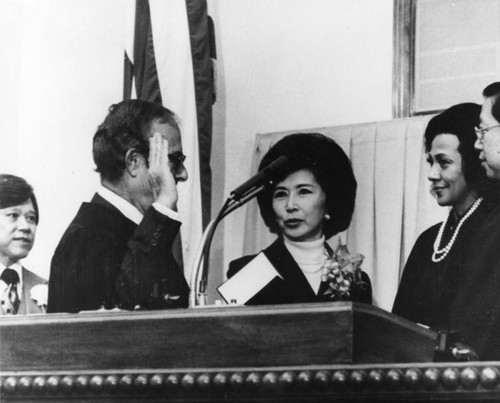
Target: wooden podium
point(309, 352)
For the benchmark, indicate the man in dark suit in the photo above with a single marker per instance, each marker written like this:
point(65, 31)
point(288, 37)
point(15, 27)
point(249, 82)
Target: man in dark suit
point(476, 309)
point(117, 251)
point(21, 291)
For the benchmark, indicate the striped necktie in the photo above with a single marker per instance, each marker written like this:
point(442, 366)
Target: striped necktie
point(10, 298)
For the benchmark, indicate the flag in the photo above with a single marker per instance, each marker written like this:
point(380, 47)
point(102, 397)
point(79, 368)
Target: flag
point(168, 60)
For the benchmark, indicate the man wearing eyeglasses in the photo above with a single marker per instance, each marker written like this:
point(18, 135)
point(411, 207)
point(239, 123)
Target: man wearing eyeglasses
point(476, 309)
point(117, 251)
point(488, 133)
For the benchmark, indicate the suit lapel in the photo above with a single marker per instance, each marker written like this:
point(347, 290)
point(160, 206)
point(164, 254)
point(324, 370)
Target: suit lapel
point(284, 263)
point(28, 305)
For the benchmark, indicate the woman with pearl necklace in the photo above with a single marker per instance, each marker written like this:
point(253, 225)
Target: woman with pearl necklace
point(429, 281)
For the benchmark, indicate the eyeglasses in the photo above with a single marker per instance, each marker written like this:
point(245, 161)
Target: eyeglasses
point(176, 160)
point(481, 131)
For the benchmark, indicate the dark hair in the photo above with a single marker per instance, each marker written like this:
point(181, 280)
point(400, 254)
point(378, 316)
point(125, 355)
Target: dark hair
point(330, 166)
point(460, 121)
point(493, 90)
point(15, 191)
point(126, 126)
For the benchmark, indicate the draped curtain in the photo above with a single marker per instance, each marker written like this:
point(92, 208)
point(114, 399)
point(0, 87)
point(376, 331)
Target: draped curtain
point(393, 203)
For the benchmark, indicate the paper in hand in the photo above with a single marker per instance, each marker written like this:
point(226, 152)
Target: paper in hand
point(249, 280)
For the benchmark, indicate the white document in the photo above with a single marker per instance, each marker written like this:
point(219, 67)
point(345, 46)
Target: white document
point(252, 278)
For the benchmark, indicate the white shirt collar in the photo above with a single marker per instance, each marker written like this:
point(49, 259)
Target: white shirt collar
point(309, 252)
point(19, 269)
point(127, 209)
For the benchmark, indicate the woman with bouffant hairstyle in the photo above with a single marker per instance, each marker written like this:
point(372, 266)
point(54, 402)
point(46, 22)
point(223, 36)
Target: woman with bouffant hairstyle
point(310, 200)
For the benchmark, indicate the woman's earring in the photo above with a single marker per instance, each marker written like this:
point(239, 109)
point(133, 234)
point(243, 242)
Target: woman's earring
point(327, 217)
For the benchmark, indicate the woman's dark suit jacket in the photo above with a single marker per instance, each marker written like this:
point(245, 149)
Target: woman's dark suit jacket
point(294, 287)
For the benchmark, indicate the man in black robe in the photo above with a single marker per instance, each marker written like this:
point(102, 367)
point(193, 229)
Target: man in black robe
point(476, 309)
point(117, 251)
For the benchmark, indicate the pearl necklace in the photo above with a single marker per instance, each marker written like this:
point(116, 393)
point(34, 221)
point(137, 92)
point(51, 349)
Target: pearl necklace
point(439, 254)
point(315, 269)
point(311, 271)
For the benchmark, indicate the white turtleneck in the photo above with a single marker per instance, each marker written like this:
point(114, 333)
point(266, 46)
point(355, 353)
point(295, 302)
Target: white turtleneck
point(310, 257)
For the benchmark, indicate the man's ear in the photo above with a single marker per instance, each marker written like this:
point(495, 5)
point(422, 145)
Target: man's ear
point(133, 161)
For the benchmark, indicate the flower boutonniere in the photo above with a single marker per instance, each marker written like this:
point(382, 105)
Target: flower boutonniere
point(40, 294)
point(342, 271)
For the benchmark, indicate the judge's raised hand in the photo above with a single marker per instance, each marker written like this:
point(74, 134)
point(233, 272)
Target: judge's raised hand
point(161, 178)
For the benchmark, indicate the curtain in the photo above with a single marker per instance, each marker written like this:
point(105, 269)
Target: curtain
point(393, 202)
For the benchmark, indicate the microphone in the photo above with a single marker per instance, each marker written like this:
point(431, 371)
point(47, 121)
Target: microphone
point(261, 178)
point(238, 197)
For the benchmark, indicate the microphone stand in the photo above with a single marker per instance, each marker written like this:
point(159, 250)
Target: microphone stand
point(199, 274)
